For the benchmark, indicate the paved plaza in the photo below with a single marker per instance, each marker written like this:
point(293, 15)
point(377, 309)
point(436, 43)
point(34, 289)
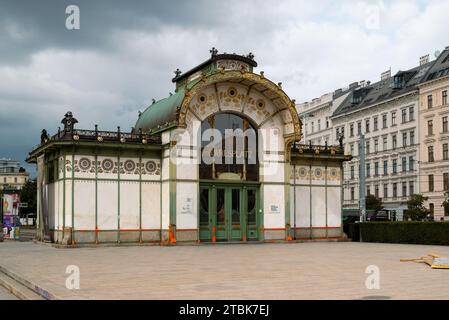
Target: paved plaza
point(319, 270)
point(6, 295)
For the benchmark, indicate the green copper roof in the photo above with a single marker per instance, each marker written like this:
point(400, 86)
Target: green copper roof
point(160, 112)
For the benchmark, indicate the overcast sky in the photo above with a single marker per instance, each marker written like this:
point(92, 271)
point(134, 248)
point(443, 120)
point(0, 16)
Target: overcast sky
point(125, 52)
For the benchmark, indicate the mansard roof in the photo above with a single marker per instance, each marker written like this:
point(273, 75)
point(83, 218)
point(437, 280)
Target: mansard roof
point(401, 83)
point(440, 68)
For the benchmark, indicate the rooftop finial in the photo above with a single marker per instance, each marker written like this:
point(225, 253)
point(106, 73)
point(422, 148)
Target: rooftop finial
point(68, 121)
point(250, 56)
point(213, 52)
point(177, 72)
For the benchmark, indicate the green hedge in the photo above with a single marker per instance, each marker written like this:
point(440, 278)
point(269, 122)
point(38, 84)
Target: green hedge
point(436, 233)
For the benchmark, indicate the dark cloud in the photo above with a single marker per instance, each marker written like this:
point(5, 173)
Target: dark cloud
point(125, 52)
point(27, 27)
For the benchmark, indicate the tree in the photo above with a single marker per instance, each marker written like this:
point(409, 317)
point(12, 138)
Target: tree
point(445, 203)
point(416, 210)
point(28, 194)
point(373, 203)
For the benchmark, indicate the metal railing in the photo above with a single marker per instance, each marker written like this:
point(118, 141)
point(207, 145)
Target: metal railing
point(311, 148)
point(102, 136)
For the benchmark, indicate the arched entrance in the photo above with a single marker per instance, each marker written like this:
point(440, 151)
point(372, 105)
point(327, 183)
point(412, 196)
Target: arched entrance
point(229, 179)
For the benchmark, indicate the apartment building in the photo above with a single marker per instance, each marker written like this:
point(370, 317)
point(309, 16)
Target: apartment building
point(316, 115)
point(12, 175)
point(434, 135)
point(386, 112)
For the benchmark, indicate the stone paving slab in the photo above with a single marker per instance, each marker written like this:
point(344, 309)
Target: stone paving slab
point(333, 270)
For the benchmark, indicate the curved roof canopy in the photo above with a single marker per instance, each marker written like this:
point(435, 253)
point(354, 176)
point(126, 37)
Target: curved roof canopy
point(161, 113)
point(171, 111)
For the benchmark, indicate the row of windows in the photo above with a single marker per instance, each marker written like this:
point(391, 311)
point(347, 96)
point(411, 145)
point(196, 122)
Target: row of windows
point(407, 189)
point(444, 122)
point(384, 168)
point(408, 139)
point(443, 99)
point(318, 122)
point(407, 115)
point(431, 155)
point(6, 180)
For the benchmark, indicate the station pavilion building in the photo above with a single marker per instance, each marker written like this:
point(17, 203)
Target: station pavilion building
point(152, 185)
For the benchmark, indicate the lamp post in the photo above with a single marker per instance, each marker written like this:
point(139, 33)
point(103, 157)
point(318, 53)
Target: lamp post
point(362, 188)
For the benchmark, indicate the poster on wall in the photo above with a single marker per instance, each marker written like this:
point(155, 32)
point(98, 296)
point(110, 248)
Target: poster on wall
point(274, 208)
point(10, 210)
point(187, 206)
point(11, 204)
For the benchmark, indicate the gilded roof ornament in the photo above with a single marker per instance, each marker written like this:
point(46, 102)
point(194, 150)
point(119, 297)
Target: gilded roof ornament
point(177, 72)
point(213, 52)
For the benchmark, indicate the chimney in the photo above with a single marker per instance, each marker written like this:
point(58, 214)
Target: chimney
point(385, 75)
point(423, 59)
point(353, 85)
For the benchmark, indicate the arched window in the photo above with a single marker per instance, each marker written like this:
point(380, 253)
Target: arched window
point(228, 148)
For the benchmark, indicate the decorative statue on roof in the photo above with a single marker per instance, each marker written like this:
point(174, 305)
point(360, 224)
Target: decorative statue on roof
point(340, 140)
point(68, 121)
point(44, 136)
point(213, 52)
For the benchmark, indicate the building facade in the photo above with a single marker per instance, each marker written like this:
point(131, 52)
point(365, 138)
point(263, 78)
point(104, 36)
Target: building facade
point(386, 112)
point(434, 135)
point(218, 160)
point(12, 175)
point(316, 116)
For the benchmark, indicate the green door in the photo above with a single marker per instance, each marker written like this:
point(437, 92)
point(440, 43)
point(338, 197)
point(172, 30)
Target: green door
point(228, 213)
point(251, 208)
point(234, 206)
point(205, 214)
point(221, 212)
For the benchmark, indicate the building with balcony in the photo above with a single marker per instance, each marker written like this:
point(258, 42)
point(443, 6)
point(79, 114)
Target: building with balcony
point(12, 175)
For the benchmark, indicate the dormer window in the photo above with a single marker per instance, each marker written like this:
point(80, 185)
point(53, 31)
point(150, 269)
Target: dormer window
point(398, 81)
point(356, 99)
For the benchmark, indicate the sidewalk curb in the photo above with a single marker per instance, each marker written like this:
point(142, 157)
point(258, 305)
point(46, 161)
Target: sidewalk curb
point(36, 289)
point(187, 243)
